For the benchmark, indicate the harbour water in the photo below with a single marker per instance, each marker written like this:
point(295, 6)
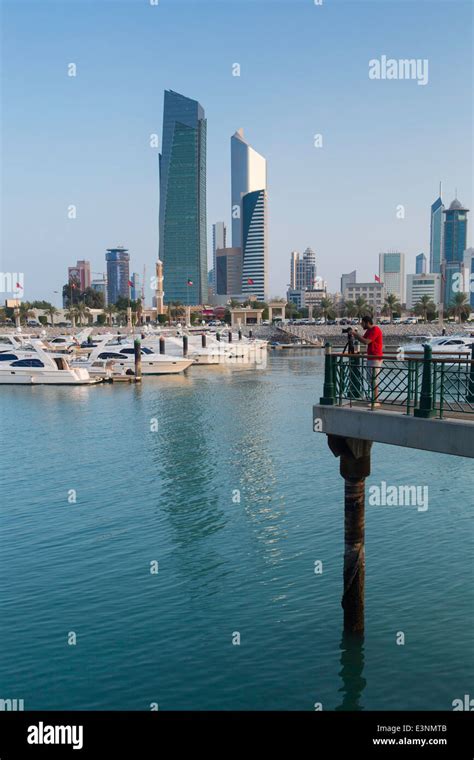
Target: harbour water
point(236, 498)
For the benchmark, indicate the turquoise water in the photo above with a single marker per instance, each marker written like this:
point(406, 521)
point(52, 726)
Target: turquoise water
point(224, 566)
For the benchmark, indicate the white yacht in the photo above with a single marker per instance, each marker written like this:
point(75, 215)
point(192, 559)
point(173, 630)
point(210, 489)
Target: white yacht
point(447, 346)
point(33, 365)
point(120, 357)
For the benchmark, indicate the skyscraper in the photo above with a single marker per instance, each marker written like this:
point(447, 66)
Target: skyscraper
point(469, 274)
point(392, 274)
point(183, 240)
point(135, 288)
point(420, 263)
point(248, 173)
point(117, 273)
point(219, 236)
point(455, 240)
point(254, 241)
point(309, 268)
point(159, 287)
point(436, 235)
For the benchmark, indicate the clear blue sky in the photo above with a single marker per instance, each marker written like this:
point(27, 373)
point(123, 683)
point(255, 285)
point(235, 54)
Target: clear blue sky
point(304, 70)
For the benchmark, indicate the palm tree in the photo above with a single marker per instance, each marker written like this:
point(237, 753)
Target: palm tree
point(361, 306)
point(350, 309)
point(460, 307)
point(391, 304)
point(25, 311)
point(327, 308)
point(52, 311)
point(82, 311)
point(72, 315)
point(424, 306)
point(110, 309)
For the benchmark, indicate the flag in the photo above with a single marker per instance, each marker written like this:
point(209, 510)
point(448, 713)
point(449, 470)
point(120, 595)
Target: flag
point(130, 284)
point(73, 285)
point(190, 282)
point(377, 278)
point(250, 281)
point(19, 286)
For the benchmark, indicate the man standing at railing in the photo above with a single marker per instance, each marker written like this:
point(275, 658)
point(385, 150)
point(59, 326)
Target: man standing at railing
point(373, 338)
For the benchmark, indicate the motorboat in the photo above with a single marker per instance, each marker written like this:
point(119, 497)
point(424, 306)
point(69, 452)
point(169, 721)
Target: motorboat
point(120, 356)
point(36, 366)
point(447, 346)
point(214, 352)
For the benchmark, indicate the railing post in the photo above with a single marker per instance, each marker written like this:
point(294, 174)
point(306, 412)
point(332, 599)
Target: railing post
point(329, 397)
point(426, 396)
point(354, 373)
point(470, 382)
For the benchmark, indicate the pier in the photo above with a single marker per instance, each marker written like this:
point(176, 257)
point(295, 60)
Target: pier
point(417, 402)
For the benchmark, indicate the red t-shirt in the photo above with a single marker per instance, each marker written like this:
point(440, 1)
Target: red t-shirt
point(375, 347)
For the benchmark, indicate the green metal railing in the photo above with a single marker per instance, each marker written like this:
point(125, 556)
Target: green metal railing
point(427, 386)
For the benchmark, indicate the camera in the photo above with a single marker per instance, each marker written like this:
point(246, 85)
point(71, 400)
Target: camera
point(346, 330)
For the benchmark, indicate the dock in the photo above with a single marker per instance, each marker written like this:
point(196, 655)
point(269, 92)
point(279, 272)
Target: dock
point(422, 403)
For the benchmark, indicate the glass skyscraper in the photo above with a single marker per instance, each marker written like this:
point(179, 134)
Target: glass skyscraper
point(248, 173)
point(183, 238)
point(117, 273)
point(392, 274)
point(254, 241)
point(436, 235)
point(455, 241)
point(421, 263)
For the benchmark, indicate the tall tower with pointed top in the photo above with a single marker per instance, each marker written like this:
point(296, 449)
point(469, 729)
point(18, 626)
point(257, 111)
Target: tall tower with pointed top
point(248, 173)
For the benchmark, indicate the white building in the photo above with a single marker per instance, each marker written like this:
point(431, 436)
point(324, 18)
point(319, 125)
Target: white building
point(372, 292)
point(248, 174)
point(392, 274)
point(419, 285)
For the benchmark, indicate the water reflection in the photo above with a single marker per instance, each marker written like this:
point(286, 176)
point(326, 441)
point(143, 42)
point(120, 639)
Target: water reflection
point(352, 668)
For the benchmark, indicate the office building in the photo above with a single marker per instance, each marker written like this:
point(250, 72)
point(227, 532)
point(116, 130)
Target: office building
point(228, 271)
point(372, 292)
point(436, 234)
point(118, 274)
point(219, 239)
point(81, 273)
point(135, 287)
point(348, 279)
point(469, 274)
point(183, 241)
point(420, 261)
point(254, 244)
point(455, 243)
point(423, 284)
point(392, 274)
point(248, 174)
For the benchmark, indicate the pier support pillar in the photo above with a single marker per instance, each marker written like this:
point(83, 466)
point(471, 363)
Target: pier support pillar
point(138, 359)
point(354, 468)
point(162, 345)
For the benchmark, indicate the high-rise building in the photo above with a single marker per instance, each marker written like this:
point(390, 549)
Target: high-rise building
point(436, 235)
point(118, 275)
point(309, 268)
point(228, 271)
point(82, 273)
point(423, 284)
point(455, 241)
point(254, 244)
point(248, 174)
point(303, 270)
point(183, 239)
point(392, 274)
point(219, 236)
point(135, 287)
point(420, 267)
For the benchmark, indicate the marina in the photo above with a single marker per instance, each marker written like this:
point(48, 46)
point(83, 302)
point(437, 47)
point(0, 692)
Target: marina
point(236, 512)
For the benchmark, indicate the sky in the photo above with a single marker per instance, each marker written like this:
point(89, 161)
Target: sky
point(304, 71)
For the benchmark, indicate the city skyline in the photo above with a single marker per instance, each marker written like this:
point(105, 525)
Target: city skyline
point(79, 135)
